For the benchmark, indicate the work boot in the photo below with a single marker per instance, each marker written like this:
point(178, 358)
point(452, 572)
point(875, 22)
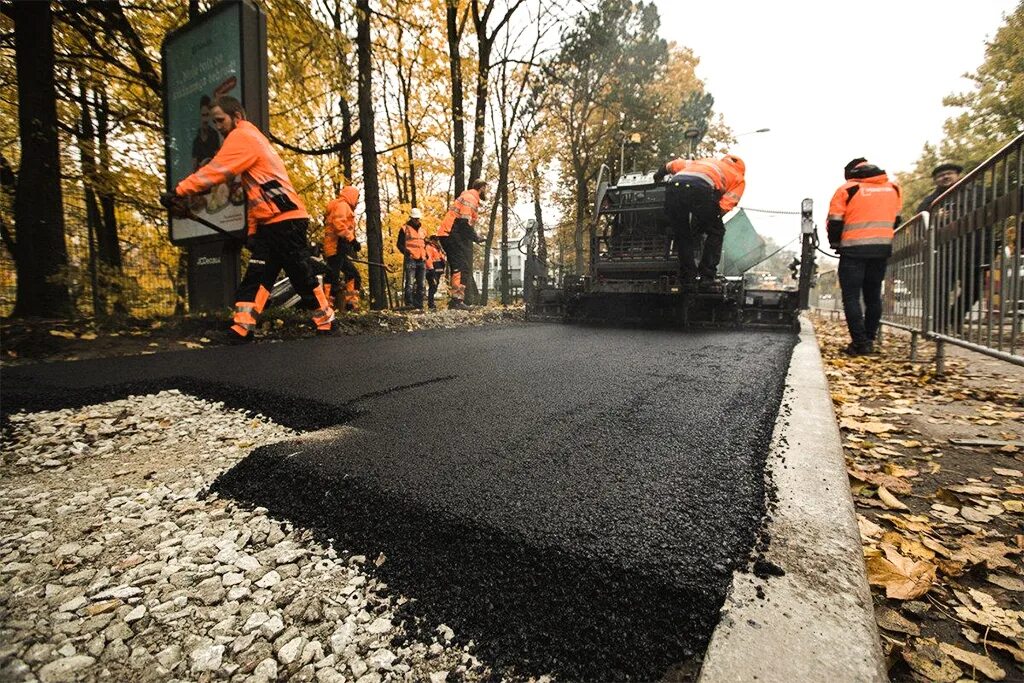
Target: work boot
point(457, 305)
point(332, 331)
point(858, 349)
point(229, 336)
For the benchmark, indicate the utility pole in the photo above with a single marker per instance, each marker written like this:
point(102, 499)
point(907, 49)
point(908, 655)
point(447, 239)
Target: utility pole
point(807, 253)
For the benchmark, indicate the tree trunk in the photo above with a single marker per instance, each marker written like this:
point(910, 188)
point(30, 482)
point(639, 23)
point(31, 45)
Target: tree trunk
point(476, 163)
point(368, 144)
point(86, 135)
point(346, 133)
point(458, 122)
point(42, 256)
point(581, 220)
point(506, 285)
point(538, 215)
point(485, 278)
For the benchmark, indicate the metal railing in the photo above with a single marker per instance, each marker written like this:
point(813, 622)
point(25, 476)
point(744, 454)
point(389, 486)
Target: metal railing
point(956, 275)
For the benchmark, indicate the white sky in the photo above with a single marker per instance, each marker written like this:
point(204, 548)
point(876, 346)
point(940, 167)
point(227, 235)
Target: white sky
point(832, 81)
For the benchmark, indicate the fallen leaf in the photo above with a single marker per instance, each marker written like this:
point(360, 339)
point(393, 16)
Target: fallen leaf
point(908, 546)
point(868, 529)
point(972, 514)
point(88, 336)
point(902, 578)
point(1010, 583)
point(898, 471)
point(891, 620)
point(925, 657)
point(204, 340)
point(890, 482)
point(870, 427)
point(1015, 652)
point(909, 443)
point(974, 489)
point(1014, 505)
point(1007, 472)
point(1009, 448)
point(62, 333)
point(981, 609)
point(890, 501)
point(910, 522)
point(975, 661)
point(1015, 490)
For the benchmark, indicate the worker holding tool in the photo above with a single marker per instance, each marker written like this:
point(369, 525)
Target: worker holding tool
point(457, 234)
point(862, 220)
point(341, 246)
point(699, 193)
point(434, 265)
point(412, 243)
point(277, 219)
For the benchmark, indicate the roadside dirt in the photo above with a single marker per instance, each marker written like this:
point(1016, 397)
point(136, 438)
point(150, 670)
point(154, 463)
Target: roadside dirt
point(941, 520)
point(40, 340)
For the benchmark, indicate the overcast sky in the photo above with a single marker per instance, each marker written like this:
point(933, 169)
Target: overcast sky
point(832, 81)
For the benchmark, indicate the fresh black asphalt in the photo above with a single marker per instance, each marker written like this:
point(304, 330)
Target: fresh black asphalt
point(572, 499)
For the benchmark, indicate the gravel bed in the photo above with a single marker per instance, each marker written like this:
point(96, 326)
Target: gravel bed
point(116, 564)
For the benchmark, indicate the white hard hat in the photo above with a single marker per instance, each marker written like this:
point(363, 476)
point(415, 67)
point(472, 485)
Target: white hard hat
point(415, 213)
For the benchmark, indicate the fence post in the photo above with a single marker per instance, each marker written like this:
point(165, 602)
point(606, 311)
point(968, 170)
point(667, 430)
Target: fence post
point(913, 345)
point(940, 358)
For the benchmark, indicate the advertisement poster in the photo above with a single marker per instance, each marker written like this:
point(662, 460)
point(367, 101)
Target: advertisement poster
point(203, 63)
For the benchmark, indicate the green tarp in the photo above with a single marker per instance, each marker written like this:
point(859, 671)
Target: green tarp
point(742, 247)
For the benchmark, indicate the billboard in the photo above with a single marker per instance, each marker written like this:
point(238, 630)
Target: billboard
point(221, 53)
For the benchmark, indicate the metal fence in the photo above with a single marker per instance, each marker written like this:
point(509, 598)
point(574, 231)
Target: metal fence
point(956, 274)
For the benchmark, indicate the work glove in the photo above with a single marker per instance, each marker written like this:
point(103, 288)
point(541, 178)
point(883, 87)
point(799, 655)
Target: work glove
point(660, 174)
point(356, 246)
point(177, 205)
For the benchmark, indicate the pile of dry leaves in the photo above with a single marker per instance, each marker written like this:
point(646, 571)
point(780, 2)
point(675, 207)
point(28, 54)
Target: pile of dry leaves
point(935, 468)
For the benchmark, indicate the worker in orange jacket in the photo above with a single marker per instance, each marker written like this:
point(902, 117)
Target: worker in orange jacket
point(277, 219)
point(434, 266)
point(412, 243)
point(457, 234)
point(699, 193)
point(341, 245)
point(862, 220)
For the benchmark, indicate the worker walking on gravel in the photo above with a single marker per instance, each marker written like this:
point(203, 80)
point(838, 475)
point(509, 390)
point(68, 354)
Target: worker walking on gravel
point(699, 193)
point(434, 265)
point(341, 246)
point(457, 234)
point(412, 243)
point(862, 220)
point(277, 219)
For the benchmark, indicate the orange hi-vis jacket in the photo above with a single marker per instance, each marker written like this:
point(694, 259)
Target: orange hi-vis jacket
point(246, 152)
point(466, 205)
point(415, 242)
point(725, 175)
point(341, 220)
point(434, 256)
point(867, 208)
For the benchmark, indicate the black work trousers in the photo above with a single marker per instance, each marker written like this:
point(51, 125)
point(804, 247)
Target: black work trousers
point(691, 206)
point(276, 246)
point(862, 278)
point(414, 273)
point(341, 264)
point(433, 280)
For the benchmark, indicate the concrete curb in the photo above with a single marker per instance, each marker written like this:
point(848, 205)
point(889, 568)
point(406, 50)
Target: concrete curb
point(815, 623)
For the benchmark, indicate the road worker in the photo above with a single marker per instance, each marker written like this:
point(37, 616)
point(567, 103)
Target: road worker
point(341, 246)
point(434, 265)
point(699, 193)
point(457, 235)
point(862, 220)
point(412, 243)
point(277, 219)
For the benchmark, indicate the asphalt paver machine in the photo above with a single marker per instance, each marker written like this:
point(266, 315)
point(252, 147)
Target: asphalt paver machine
point(632, 276)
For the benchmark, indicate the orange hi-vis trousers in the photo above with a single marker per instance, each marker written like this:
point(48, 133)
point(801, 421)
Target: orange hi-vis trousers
point(273, 247)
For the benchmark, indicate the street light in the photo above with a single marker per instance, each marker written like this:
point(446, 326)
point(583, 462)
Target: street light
point(751, 132)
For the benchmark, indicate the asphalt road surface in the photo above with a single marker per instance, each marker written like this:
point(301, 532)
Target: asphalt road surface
point(572, 499)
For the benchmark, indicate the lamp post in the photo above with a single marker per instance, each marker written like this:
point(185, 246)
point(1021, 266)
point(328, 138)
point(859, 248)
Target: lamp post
point(751, 132)
point(693, 135)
